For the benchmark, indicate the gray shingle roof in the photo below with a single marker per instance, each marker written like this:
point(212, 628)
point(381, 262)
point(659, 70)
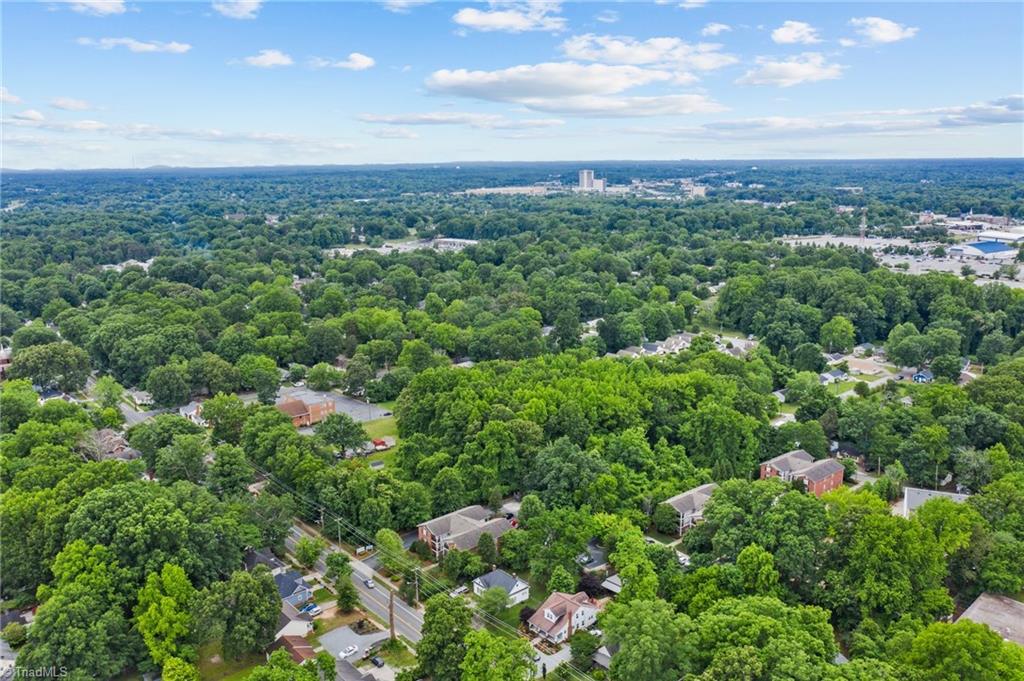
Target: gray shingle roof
point(819, 470)
point(500, 579)
point(692, 500)
point(791, 461)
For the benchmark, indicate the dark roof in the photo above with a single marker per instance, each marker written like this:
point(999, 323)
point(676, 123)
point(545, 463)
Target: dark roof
point(498, 578)
point(345, 671)
point(288, 582)
point(820, 470)
point(791, 461)
point(692, 500)
point(264, 556)
point(991, 246)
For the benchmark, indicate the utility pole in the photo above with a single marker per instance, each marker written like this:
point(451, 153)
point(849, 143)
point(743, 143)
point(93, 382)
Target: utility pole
point(321, 517)
point(416, 574)
point(391, 612)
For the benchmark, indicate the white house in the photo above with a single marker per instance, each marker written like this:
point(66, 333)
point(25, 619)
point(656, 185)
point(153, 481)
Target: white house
point(517, 590)
point(563, 614)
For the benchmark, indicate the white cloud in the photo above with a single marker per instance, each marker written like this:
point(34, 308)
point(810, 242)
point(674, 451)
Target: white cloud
point(403, 6)
point(69, 104)
point(898, 122)
point(608, 16)
point(134, 45)
point(808, 67)
point(99, 8)
point(572, 88)
point(355, 62)
point(473, 120)
point(7, 98)
point(267, 59)
point(663, 52)
point(395, 134)
point(238, 9)
point(30, 115)
point(515, 17)
point(847, 42)
point(693, 4)
point(878, 30)
point(550, 79)
point(795, 32)
point(715, 28)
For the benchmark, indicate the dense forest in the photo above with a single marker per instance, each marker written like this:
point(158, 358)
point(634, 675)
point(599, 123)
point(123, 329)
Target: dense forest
point(502, 365)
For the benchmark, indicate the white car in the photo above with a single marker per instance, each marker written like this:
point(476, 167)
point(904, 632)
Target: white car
point(348, 652)
point(370, 584)
point(596, 632)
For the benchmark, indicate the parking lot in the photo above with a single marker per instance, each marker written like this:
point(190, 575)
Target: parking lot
point(359, 411)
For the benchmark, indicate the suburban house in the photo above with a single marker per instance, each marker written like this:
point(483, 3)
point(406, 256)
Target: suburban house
point(1001, 614)
point(461, 529)
point(914, 497)
point(303, 414)
point(923, 376)
point(265, 556)
point(562, 614)
point(517, 590)
point(110, 444)
point(613, 584)
point(291, 622)
point(5, 361)
point(689, 505)
point(818, 476)
point(834, 376)
point(193, 411)
point(292, 588)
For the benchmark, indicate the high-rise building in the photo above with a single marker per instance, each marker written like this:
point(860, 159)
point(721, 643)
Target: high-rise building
point(587, 180)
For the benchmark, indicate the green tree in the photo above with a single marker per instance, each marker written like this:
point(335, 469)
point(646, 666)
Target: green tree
point(108, 391)
point(308, 550)
point(183, 459)
point(652, 640)
point(229, 475)
point(339, 566)
point(243, 610)
point(757, 569)
point(226, 414)
point(837, 334)
point(495, 658)
point(964, 650)
point(169, 385)
point(494, 601)
point(176, 669)
point(259, 373)
point(440, 652)
point(583, 645)
point(163, 614)
point(63, 365)
point(347, 595)
point(323, 376)
point(17, 402)
point(390, 549)
point(561, 580)
point(486, 549)
point(341, 432)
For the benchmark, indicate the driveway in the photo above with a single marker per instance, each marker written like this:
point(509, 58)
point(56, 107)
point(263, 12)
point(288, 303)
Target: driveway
point(338, 639)
point(547, 663)
point(359, 411)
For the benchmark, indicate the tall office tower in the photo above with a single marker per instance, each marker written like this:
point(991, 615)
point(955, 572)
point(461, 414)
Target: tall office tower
point(587, 180)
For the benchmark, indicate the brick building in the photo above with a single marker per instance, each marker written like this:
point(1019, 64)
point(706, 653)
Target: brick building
point(818, 476)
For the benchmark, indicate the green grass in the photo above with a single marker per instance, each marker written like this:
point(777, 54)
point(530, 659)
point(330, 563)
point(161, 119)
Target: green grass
point(322, 596)
point(386, 426)
point(226, 670)
point(787, 408)
point(397, 655)
point(842, 386)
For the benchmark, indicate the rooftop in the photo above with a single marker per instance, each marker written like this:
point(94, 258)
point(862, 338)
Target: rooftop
point(914, 497)
point(791, 461)
point(692, 500)
point(1002, 614)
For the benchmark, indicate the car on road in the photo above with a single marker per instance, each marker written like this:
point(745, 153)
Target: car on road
point(370, 584)
point(376, 661)
point(348, 652)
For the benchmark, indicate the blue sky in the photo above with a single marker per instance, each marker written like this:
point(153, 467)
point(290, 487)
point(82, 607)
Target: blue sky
point(112, 83)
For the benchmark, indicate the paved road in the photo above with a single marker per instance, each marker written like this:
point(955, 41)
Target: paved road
point(408, 620)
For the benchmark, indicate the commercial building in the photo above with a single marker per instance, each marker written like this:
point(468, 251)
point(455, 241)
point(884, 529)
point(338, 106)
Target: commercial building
point(303, 414)
point(586, 180)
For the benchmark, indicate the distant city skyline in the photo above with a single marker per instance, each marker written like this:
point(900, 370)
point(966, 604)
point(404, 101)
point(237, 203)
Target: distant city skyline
point(117, 84)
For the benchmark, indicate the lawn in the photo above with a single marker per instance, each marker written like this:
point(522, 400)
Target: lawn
point(397, 655)
point(322, 596)
point(225, 670)
point(842, 386)
point(322, 625)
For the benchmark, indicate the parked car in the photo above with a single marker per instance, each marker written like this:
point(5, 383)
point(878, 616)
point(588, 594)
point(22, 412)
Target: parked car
point(348, 652)
point(458, 591)
point(311, 609)
point(370, 584)
point(584, 558)
point(377, 662)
